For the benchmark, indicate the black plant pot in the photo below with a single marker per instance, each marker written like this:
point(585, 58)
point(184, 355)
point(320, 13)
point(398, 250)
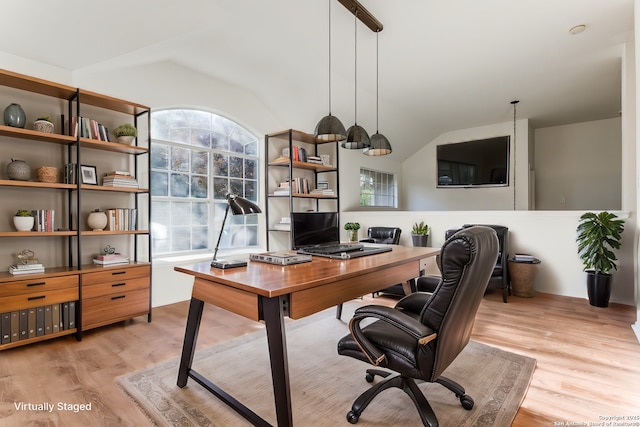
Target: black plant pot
point(598, 288)
point(420, 240)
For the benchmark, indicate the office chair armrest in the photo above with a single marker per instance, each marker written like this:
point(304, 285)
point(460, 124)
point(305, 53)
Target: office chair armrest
point(414, 303)
point(396, 318)
point(368, 240)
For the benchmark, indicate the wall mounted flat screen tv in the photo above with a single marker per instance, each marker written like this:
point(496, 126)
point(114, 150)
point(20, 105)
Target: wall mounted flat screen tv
point(314, 228)
point(478, 163)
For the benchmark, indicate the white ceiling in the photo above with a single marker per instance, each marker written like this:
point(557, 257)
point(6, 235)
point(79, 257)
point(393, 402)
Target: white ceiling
point(443, 65)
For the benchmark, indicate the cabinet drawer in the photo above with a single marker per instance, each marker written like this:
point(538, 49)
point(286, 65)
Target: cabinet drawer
point(40, 285)
point(107, 309)
point(115, 287)
point(112, 274)
point(28, 300)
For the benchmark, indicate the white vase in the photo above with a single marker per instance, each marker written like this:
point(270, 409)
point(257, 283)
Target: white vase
point(23, 223)
point(125, 139)
point(97, 220)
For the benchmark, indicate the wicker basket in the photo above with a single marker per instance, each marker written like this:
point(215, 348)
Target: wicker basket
point(47, 174)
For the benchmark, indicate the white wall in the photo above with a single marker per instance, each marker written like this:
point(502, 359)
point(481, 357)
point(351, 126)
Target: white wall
point(578, 166)
point(548, 235)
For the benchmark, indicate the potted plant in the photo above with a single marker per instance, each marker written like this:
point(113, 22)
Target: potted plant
point(598, 236)
point(420, 234)
point(125, 133)
point(23, 220)
point(43, 124)
point(352, 230)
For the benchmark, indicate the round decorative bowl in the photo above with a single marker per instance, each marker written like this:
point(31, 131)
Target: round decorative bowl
point(97, 220)
point(43, 126)
point(19, 170)
point(47, 174)
point(125, 139)
point(23, 223)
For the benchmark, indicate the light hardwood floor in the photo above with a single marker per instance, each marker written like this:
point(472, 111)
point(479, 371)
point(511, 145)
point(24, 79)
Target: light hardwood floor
point(588, 361)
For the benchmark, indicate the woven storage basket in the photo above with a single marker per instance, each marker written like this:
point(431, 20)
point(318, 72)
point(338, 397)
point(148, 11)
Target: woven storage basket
point(47, 174)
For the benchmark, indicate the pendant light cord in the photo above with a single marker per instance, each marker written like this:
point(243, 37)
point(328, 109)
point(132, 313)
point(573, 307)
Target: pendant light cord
point(514, 103)
point(355, 67)
point(329, 2)
point(377, 79)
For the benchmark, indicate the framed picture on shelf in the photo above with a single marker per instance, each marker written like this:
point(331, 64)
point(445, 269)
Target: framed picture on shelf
point(88, 174)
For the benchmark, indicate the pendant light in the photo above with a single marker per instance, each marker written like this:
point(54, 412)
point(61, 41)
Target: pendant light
point(380, 145)
point(357, 137)
point(330, 128)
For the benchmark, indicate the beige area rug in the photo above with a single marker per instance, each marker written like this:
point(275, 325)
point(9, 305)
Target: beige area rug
point(325, 384)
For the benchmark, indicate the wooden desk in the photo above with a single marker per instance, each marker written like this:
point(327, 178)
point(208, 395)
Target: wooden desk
point(265, 292)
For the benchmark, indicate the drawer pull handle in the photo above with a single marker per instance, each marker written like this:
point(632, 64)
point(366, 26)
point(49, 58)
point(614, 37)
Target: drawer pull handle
point(36, 284)
point(118, 272)
point(118, 297)
point(38, 297)
point(118, 284)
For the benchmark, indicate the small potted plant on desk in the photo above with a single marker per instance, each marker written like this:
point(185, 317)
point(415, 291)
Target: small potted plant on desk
point(23, 220)
point(352, 230)
point(420, 234)
point(125, 133)
point(598, 236)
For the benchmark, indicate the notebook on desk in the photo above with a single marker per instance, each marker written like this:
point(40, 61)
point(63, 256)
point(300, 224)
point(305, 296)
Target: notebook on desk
point(317, 233)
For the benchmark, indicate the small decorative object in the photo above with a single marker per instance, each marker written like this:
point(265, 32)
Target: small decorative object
point(27, 257)
point(18, 170)
point(598, 236)
point(420, 234)
point(14, 116)
point(352, 230)
point(97, 220)
point(47, 174)
point(43, 124)
point(23, 220)
point(125, 133)
point(88, 174)
point(109, 250)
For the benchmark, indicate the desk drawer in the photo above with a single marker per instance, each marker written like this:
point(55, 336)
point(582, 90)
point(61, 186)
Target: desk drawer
point(115, 287)
point(113, 308)
point(40, 285)
point(113, 274)
point(32, 299)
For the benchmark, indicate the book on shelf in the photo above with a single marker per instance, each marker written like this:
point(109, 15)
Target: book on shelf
point(282, 227)
point(43, 219)
point(17, 271)
point(28, 266)
point(111, 262)
point(88, 128)
point(121, 219)
point(524, 257)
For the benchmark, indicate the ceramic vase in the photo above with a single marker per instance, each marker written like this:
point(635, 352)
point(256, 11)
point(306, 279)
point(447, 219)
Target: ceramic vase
point(23, 223)
point(126, 139)
point(18, 170)
point(97, 220)
point(14, 116)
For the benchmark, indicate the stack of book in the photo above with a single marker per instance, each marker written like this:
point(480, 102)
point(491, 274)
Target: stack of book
point(284, 224)
point(121, 219)
point(323, 192)
point(44, 219)
point(119, 179)
point(29, 268)
point(111, 259)
point(88, 128)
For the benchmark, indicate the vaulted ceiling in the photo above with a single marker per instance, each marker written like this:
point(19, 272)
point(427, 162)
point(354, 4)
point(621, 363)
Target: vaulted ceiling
point(443, 65)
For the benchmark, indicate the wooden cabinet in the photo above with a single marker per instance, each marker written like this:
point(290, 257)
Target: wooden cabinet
point(68, 248)
point(301, 174)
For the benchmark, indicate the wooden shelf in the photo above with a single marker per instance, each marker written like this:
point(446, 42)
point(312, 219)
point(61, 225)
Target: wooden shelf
point(298, 136)
point(36, 184)
point(111, 232)
point(112, 146)
point(302, 165)
point(110, 103)
point(34, 135)
point(116, 189)
point(37, 339)
point(36, 85)
point(305, 196)
point(36, 233)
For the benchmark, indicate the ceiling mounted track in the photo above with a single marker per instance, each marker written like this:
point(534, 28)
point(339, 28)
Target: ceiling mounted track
point(362, 14)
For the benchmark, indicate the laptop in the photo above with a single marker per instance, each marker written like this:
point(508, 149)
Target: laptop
point(318, 234)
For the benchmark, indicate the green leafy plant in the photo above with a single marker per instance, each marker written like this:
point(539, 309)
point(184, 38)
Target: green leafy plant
point(355, 226)
point(598, 236)
point(420, 228)
point(24, 212)
point(45, 118)
point(126, 129)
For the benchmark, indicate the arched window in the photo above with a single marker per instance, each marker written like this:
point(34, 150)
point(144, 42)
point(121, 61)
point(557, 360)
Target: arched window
point(197, 157)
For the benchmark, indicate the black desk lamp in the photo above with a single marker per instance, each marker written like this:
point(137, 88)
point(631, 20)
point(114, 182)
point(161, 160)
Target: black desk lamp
point(238, 206)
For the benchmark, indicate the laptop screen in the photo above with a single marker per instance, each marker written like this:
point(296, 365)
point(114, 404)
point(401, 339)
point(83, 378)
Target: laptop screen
point(314, 228)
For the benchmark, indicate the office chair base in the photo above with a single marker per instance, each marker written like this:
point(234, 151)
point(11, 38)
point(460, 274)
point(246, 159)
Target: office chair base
point(409, 386)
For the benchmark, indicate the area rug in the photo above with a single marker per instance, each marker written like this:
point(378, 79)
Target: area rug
point(325, 384)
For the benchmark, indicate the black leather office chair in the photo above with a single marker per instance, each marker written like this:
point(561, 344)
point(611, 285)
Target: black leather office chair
point(424, 333)
point(385, 235)
point(499, 276)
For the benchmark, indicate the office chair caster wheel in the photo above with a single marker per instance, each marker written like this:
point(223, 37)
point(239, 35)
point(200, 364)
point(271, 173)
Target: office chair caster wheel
point(352, 417)
point(467, 402)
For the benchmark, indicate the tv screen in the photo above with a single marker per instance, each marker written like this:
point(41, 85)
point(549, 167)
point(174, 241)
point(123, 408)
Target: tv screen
point(314, 228)
point(483, 162)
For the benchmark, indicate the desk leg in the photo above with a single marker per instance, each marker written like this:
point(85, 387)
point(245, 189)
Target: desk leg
point(190, 338)
point(274, 320)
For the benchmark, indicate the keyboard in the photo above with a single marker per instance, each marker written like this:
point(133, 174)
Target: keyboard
point(330, 249)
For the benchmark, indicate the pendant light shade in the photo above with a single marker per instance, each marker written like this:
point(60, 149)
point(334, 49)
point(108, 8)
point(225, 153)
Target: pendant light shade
point(380, 145)
point(330, 128)
point(357, 137)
